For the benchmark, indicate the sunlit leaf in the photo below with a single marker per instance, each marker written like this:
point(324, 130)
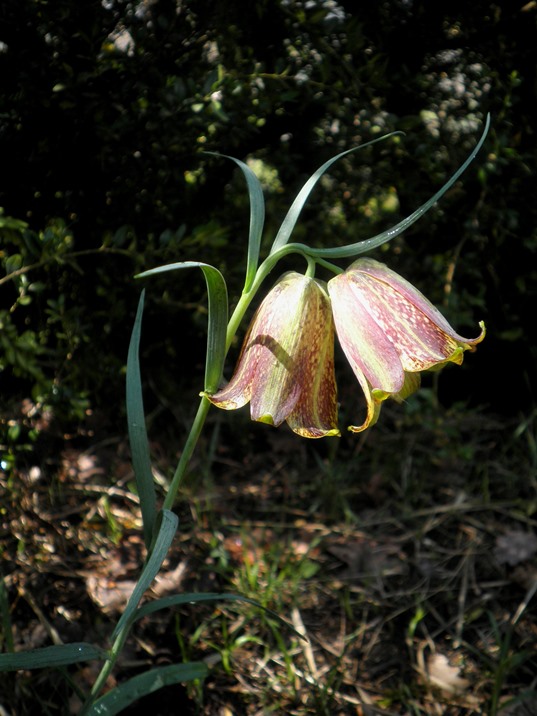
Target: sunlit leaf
point(369, 244)
point(291, 218)
point(257, 218)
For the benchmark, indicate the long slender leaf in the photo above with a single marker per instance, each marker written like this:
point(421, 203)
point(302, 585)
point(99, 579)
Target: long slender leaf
point(141, 460)
point(216, 327)
point(369, 244)
point(147, 683)
point(257, 218)
point(51, 656)
point(291, 218)
point(164, 537)
point(218, 317)
point(175, 600)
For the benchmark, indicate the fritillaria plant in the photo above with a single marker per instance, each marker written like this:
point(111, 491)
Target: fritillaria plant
point(387, 329)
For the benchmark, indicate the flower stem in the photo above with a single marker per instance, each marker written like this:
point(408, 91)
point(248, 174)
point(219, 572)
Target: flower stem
point(100, 681)
point(195, 432)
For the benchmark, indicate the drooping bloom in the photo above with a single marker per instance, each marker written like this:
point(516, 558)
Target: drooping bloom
point(286, 366)
point(390, 332)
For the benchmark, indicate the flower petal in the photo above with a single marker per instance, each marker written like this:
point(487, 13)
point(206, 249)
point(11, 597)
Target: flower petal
point(364, 342)
point(286, 366)
point(390, 332)
point(372, 357)
point(315, 414)
point(419, 332)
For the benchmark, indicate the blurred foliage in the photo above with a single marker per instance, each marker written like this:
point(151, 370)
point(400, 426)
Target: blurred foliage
point(106, 109)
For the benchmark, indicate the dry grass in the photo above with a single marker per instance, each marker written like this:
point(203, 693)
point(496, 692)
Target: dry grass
point(407, 558)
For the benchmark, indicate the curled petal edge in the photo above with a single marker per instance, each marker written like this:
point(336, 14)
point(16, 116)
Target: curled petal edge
point(375, 397)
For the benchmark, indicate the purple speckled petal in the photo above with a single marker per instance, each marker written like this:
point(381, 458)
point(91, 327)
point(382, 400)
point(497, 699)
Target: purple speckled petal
point(286, 365)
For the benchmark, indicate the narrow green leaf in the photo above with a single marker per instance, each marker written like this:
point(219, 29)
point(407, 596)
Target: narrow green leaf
point(147, 683)
point(257, 218)
point(218, 317)
point(291, 218)
point(137, 431)
point(175, 600)
point(369, 244)
point(164, 537)
point(51, 656)
point(216, 327)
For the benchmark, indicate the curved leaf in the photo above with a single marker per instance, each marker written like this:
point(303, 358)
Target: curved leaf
point(291, 218)
point(175, 600)
point(257, 218)
point(369, 244)
point(137, 431)
point(218, 317)
point(146, 683)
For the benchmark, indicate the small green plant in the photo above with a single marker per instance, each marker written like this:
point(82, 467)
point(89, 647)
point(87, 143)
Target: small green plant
point(389, 333)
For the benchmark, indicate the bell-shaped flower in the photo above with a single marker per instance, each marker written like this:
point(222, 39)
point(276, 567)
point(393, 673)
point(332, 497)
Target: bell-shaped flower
point(286, 366)
point(390, 332)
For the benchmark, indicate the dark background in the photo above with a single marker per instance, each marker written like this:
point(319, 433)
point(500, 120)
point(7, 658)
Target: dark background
point(106, 108)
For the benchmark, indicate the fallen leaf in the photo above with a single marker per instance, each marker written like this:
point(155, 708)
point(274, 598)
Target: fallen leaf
point(444, 676)
point(514, 547)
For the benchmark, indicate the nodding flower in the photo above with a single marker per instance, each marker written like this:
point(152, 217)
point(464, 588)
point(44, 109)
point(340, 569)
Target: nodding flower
point(388, 330)
point(389, 333)
point(286, 365)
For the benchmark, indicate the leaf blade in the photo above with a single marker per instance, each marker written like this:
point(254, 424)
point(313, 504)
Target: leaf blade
point(175, 600)
point(51, 656)
point(289, 222)
point(146, 683)
point(257, 218)
point(138, 440)
point(218, 317)
point(361, 247)
point(160, 547)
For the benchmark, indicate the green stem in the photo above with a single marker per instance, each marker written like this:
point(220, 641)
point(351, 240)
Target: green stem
point(310, 271)
point(262, 272)
point(330, 266)
point(106, 670)
point(195, 432)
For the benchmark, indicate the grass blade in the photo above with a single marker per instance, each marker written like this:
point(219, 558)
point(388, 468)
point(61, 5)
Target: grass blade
point(51, 656)
point(147, 683)
point(137, 430)
point(175, 600)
